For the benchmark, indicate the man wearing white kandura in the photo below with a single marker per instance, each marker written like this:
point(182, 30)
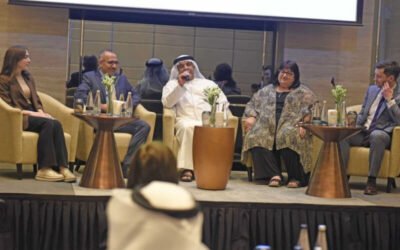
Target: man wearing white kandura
point(184, 92)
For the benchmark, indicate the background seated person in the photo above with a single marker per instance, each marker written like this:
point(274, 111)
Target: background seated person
point(379, 114)
point(93, 81)
point(271, 119)
point(223, 78)
point(154, 79)
point(17, 89)
point(89, 64)
point(152, 162)
point(267, 77)
point(184, 93)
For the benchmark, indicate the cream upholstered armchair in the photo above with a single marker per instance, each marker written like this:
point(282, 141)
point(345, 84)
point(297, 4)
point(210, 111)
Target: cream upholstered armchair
point(19, 147)
point(358, 164)
point(86, 135)
point(169, 138)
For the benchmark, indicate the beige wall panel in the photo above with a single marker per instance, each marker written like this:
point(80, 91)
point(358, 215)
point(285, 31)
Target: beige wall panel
point(46, 39)
point(75, 34)
point(133, 55)
point(214, 42)
point(173, 40)
point(254, 45)
point(133, 74)
point(137, 27)
point(174, 30)
point(94, 48)
point(209, 58)
point(209, 32)
point(340, 51)
point(93, 25)
point(169, 53)
point(249, 34)
point(133, 37)
point(247, 61)
point(97, 36)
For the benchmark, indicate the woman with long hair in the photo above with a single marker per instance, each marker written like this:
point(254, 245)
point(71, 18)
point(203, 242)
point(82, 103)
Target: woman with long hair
point(17, 88)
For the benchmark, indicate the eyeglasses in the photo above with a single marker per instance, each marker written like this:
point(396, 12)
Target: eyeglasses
point(112, 62)
point(288, 73)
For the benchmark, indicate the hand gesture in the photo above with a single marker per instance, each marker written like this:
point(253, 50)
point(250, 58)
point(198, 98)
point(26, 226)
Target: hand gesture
point(183, 78)
point(387, 91)
point(249, 123)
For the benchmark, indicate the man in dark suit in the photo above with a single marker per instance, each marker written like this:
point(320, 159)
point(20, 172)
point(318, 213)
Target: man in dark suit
point(92, 81)
point(379, 114)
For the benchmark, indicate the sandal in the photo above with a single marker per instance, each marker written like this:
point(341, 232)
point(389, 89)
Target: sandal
point(187, 175)
point(293, 184)
point(275, 182)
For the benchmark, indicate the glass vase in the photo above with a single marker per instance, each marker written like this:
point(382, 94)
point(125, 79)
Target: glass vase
point(110, 105)
point(212, 115)
point(341, 113)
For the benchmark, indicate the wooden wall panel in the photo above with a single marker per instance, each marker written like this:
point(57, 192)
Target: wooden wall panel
point(44, 31)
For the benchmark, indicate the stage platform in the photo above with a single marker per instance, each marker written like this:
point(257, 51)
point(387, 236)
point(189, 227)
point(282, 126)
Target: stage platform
point(42, 215)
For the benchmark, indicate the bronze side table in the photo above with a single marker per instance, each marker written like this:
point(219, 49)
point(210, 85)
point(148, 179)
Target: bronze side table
point(103, 169)
point(213, 156)
point(328, 179)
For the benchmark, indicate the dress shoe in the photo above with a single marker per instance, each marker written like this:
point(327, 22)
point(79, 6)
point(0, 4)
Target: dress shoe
point(48, 174)
point(370, 189)
point(68, 175)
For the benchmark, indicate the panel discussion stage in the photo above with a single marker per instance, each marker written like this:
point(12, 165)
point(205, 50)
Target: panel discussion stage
point(41, 215)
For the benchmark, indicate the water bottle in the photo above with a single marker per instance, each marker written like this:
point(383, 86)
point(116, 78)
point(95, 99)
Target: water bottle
point(303, 240)
point(89, 103)
point(321, 238)
point(324, 115)
point(97, 103)
point(262, 247)
point(128, 105)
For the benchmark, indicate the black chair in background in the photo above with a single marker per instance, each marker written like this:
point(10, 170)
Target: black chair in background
point(69, 97)
point(237, 105)
point(156, 107)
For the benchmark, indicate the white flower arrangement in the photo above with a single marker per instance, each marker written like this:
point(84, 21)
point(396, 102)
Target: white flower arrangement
point(212, 95)
point(339, 93)
point(108, 82)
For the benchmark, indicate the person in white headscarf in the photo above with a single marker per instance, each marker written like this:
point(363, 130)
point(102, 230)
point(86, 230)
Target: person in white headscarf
point(154, 79)
point(184, 92)
point(160, 215)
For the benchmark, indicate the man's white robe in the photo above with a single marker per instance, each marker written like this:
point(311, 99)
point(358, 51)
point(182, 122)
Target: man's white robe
point(189, 102)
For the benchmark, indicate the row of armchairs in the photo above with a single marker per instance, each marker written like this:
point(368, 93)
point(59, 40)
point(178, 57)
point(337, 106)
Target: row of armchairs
point(20, 147)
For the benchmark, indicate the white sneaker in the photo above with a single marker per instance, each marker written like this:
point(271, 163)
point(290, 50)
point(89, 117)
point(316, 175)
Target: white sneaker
point(68, 175)
point(48, 174)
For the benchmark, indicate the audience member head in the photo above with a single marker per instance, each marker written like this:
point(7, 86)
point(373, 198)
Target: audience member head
point(153, 161)
point(154, 79)
point(108, 62)
point(223, 72)
point(267, 74)
point(185, 63)
point(289, 75)
point(16, 60)
point(90, 63)
point(386, 72)
point(159, 215)
point(156, 73)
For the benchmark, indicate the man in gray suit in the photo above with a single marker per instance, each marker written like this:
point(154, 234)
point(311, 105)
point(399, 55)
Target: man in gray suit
point(92, 81)
point(379, 114)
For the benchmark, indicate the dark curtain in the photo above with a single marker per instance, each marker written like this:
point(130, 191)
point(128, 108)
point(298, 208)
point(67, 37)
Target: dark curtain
point(79, 222)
